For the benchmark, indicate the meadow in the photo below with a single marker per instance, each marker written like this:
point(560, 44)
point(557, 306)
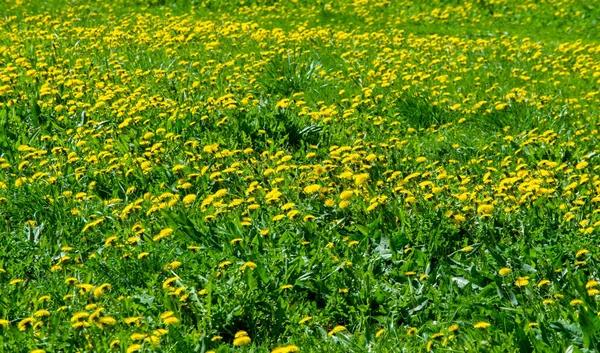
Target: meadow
point(299, 176)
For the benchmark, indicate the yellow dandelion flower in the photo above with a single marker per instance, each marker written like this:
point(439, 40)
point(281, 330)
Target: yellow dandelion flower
point(134, 348)
point(543, 282)
point(188, 199)
point(575, 302)
point(241, 341)
point(304, 320)
point(522, 281)
point(236, 241)
point(482, 324)
point(41, 313)
point(336, 330)
point(311, 189)
point(504, 271)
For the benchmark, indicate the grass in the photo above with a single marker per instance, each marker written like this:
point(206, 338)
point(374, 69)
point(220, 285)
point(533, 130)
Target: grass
point(267, 176)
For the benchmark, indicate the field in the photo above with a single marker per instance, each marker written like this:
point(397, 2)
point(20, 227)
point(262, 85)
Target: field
point(313, 176)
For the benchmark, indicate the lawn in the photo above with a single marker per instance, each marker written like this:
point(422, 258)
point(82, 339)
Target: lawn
point(283, 176)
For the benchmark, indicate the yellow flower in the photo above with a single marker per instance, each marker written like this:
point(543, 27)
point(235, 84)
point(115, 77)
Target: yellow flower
point(169, 282)
point(188, 199)
point(581, 165)
point(249, 264)
point(522, 281)
point(500, 106)
point(171, 320)
point(242, 341)
point(485, 209)
point(287, 349)
point(482, 324)
point(163, 234)
point(360, 179)
point(41, 313)
point(543, 283)
point(304, 319)
point(311, 189)
point(4, 323)
point(134, 348)
point(101, 289)
point(138, 336)
point(25, 323)
point(110, 241)
point(335, 330)
point(582, 252)
point(411, 331)
point(79, 316)
point(453, 328)
point(380, 332)
point(235, 241)
point(345, 195)
point(132, 320)
point(575, 302)
point(504, 271)
point(107, 320)
point(468, 248)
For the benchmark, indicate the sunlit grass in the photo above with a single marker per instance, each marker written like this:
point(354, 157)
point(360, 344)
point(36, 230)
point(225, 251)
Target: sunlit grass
point(265, 176)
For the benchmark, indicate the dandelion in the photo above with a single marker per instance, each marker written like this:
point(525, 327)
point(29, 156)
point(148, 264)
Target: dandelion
point(171, 320)
point(241, 339)
point(41, 313)
point(287, 349)
point(188, 199)
point(360, 179)
point(249, 264)
point(581, 253)
point(336, 330)
point(482, 325)
point(575, 302)
point(304, 320)
point(26, 323)
point(522, 281)
point(311, 189)
point(345, 195)
point(163, 234)
point(169, 282)
point(504, 271)
point(543, 282)
point(136, 347)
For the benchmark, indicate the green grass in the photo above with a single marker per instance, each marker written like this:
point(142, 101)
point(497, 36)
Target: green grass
point(175, 172)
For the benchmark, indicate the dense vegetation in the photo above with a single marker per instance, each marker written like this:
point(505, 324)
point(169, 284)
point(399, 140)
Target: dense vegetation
point(282, 176)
